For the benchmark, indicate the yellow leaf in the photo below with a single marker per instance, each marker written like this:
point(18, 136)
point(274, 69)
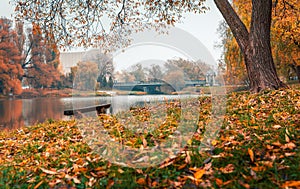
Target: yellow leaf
point(198, 175)
point(214, 142)
point(251, 154)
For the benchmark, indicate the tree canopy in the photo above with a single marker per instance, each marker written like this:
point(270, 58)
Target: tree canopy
point(89, 23)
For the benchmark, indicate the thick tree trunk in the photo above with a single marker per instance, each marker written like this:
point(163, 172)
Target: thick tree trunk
point(255, 45)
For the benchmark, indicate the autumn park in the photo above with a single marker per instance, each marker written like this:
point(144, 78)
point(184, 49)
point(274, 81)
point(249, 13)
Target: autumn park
point(73, 120)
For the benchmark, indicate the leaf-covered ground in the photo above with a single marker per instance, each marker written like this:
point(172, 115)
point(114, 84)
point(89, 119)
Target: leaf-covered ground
point(258, 146)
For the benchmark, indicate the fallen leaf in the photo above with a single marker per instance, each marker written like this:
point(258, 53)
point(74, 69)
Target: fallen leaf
point(48, 171)
point(287, 154)
point(289, 145)
point(247, 186)
point(141, 181)
point(287, 131)
point(219, 182)
point(110, 184)
point(277, 143)
point(291, 183)
point(154, 184)
point(214, 142)
point(192, 178)
point(76, 180)
point(166, 164)
point(145, 143)
point(198, 175)
point(251, 154)
point(228, 169)
point(39, 184)
point(277, 126)
point(258, 168)
point(182, 166)
point(287, 139)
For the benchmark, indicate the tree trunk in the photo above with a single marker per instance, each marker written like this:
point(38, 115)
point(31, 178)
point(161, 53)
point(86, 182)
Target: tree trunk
point(255, 45)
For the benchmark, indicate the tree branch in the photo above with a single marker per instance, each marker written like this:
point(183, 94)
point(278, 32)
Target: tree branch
point(120, 12)
point(236, 25)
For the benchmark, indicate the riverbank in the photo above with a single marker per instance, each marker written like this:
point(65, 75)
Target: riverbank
point(35, 93)
point(258, 146)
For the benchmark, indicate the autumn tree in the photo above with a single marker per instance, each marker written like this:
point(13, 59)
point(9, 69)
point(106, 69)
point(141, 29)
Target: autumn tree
point(80, 24)
point(105, 65)
point(254, 43)
point(154, 72)
point(86, 77)
point(43, 69)
point(284, 39)
point(286, 36)
point(138, 72)
point(10, 59)
point(232, 58)
point(67, 80)
point(175, 78)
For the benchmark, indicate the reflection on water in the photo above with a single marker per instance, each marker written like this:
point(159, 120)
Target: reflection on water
point(16, 113)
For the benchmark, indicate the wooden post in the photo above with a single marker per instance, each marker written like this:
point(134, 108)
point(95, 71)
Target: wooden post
point(101, 109)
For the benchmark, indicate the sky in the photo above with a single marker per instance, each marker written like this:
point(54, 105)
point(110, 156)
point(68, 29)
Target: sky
point(201, 26)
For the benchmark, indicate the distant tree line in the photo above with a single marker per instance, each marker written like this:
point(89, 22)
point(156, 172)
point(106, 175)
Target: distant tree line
point(173, 71)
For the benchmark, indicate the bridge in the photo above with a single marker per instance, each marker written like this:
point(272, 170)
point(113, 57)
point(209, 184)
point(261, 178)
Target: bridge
point(154, 87)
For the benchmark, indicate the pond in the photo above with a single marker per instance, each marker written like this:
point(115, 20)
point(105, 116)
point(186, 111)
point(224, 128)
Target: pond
point(16, 113)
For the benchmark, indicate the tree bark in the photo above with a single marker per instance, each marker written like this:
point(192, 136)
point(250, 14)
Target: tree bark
point(254, 44)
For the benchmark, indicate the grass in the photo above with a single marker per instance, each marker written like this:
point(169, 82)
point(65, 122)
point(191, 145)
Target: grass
point(257, 147)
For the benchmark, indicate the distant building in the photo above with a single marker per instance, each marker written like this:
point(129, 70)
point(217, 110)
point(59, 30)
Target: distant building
point(70, 59)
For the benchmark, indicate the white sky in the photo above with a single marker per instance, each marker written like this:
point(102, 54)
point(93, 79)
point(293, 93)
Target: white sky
point(203, 27)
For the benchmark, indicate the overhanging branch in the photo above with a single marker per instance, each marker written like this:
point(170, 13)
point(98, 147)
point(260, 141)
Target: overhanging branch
point(236, 25)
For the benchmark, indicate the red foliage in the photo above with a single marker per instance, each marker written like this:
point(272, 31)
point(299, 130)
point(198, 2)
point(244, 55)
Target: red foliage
point(10, 59)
